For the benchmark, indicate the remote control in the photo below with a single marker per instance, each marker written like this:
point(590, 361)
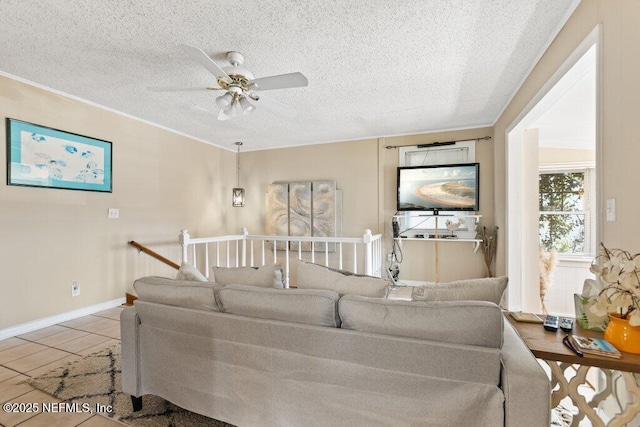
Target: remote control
point(566, 324)
point(550, 323)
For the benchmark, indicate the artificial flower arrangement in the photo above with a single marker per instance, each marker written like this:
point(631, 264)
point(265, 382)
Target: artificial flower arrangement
point(618, 274)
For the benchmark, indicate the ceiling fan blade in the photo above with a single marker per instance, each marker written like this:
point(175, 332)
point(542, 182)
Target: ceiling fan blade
point(276, 106)
point(282, 81)
point(180, 89)
point(199, 56)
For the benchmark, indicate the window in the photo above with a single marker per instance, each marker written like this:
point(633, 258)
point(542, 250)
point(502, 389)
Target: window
point(460, 152)
point(566, 221)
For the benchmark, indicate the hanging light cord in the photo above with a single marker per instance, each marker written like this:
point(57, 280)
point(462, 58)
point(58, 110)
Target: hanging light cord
point(238, 165)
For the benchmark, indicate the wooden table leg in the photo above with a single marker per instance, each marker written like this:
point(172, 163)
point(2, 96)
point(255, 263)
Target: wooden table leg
point(633, 401)
point(584, 407)
point(558, 378)
point(562, 387)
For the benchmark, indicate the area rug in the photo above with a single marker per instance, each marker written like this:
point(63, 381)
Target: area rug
point(94, 382)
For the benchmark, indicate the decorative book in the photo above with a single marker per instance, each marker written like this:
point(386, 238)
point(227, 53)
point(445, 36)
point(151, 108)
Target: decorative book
point(597, 346)
point(525, 317)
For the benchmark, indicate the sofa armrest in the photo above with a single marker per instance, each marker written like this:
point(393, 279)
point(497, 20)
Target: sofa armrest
point(130, 340)
point(525, 385)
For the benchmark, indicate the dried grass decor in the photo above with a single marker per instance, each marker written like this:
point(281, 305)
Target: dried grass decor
point(548, 261)
point(489, 245)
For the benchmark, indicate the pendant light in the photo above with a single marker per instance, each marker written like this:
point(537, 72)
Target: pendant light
point(238, 193)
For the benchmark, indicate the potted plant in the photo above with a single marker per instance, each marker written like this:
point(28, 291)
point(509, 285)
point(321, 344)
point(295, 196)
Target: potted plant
point(618, 274)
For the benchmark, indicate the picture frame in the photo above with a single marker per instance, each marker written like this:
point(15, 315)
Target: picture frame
point(40, 156)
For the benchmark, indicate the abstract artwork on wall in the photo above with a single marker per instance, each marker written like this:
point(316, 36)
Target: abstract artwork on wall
point(309, 209)
point(324, 218)
point(38, 156)
point(277, 211)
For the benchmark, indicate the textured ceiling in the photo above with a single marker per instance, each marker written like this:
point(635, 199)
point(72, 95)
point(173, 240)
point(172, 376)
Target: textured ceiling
point(375, 67)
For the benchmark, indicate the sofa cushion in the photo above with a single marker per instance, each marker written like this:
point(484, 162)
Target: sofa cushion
point(314, 276)
point(487, 289)
point(309, 306)
point(182, 293)
point(189, 272)
point(460, 322)
point(267, 276)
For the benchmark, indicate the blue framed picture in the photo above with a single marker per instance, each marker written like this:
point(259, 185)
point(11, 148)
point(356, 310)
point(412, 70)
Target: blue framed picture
point(39, 156)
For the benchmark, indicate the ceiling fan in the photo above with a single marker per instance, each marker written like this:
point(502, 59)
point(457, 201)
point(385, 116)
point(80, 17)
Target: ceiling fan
point(240, 88)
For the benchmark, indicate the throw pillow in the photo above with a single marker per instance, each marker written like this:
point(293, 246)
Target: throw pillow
point(487, 289)
point(267, 276)
point(459, 322)
point(308, 306)
point(189, 272)
point(181, 293)
point(314, 276)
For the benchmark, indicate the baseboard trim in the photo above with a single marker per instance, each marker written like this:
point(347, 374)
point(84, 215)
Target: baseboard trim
point(23, 328)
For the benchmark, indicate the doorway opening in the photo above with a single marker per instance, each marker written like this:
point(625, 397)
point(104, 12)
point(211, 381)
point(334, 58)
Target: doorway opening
point(553, 187)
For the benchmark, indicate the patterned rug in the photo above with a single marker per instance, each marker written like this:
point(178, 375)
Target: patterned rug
point(94, 382)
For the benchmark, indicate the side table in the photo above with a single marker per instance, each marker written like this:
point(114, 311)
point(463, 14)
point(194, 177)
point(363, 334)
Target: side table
point(548, 347)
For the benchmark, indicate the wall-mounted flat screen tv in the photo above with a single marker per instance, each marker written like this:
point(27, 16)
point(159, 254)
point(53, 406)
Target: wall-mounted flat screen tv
point(439, 188)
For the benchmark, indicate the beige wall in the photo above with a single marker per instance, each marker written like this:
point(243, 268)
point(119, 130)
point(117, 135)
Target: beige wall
point(550, 156)
point(366, 173)
point(162, 182)
point(353, 165)
point(620, 111)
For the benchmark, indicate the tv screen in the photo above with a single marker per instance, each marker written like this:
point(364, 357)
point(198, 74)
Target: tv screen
point(439, 188)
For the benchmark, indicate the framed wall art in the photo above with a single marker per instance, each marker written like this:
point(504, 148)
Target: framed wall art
point(304, 208)
point(39, 156)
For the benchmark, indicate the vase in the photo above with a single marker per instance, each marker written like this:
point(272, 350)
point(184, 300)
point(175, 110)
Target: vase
point(623, 336)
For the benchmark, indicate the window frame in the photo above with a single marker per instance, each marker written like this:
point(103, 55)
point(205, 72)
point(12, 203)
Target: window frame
point(589, 208)
point(470, 145)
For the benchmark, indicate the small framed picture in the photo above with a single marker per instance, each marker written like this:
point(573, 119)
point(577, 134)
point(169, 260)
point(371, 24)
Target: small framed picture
point(39, 156)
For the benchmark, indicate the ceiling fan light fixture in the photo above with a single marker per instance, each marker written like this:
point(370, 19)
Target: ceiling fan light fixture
point(224, 101)
point(232, 111)
point(239, 85)
point(246, 106)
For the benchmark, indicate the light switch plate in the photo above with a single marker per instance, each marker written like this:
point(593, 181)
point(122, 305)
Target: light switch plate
point(611, 210)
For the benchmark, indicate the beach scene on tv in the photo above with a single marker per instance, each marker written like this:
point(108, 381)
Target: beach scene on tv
point(441, 188)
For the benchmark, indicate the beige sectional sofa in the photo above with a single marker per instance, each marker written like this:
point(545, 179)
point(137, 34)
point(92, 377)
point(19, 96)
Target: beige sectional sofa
point(253, 356)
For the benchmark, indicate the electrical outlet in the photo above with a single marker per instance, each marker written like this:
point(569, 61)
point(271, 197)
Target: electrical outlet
point(113, 213)
point(75, 289)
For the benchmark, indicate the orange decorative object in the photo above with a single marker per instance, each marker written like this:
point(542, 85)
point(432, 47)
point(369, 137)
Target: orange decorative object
point(623, 336)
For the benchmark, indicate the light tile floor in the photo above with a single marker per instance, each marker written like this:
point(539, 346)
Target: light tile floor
point(38, 352)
